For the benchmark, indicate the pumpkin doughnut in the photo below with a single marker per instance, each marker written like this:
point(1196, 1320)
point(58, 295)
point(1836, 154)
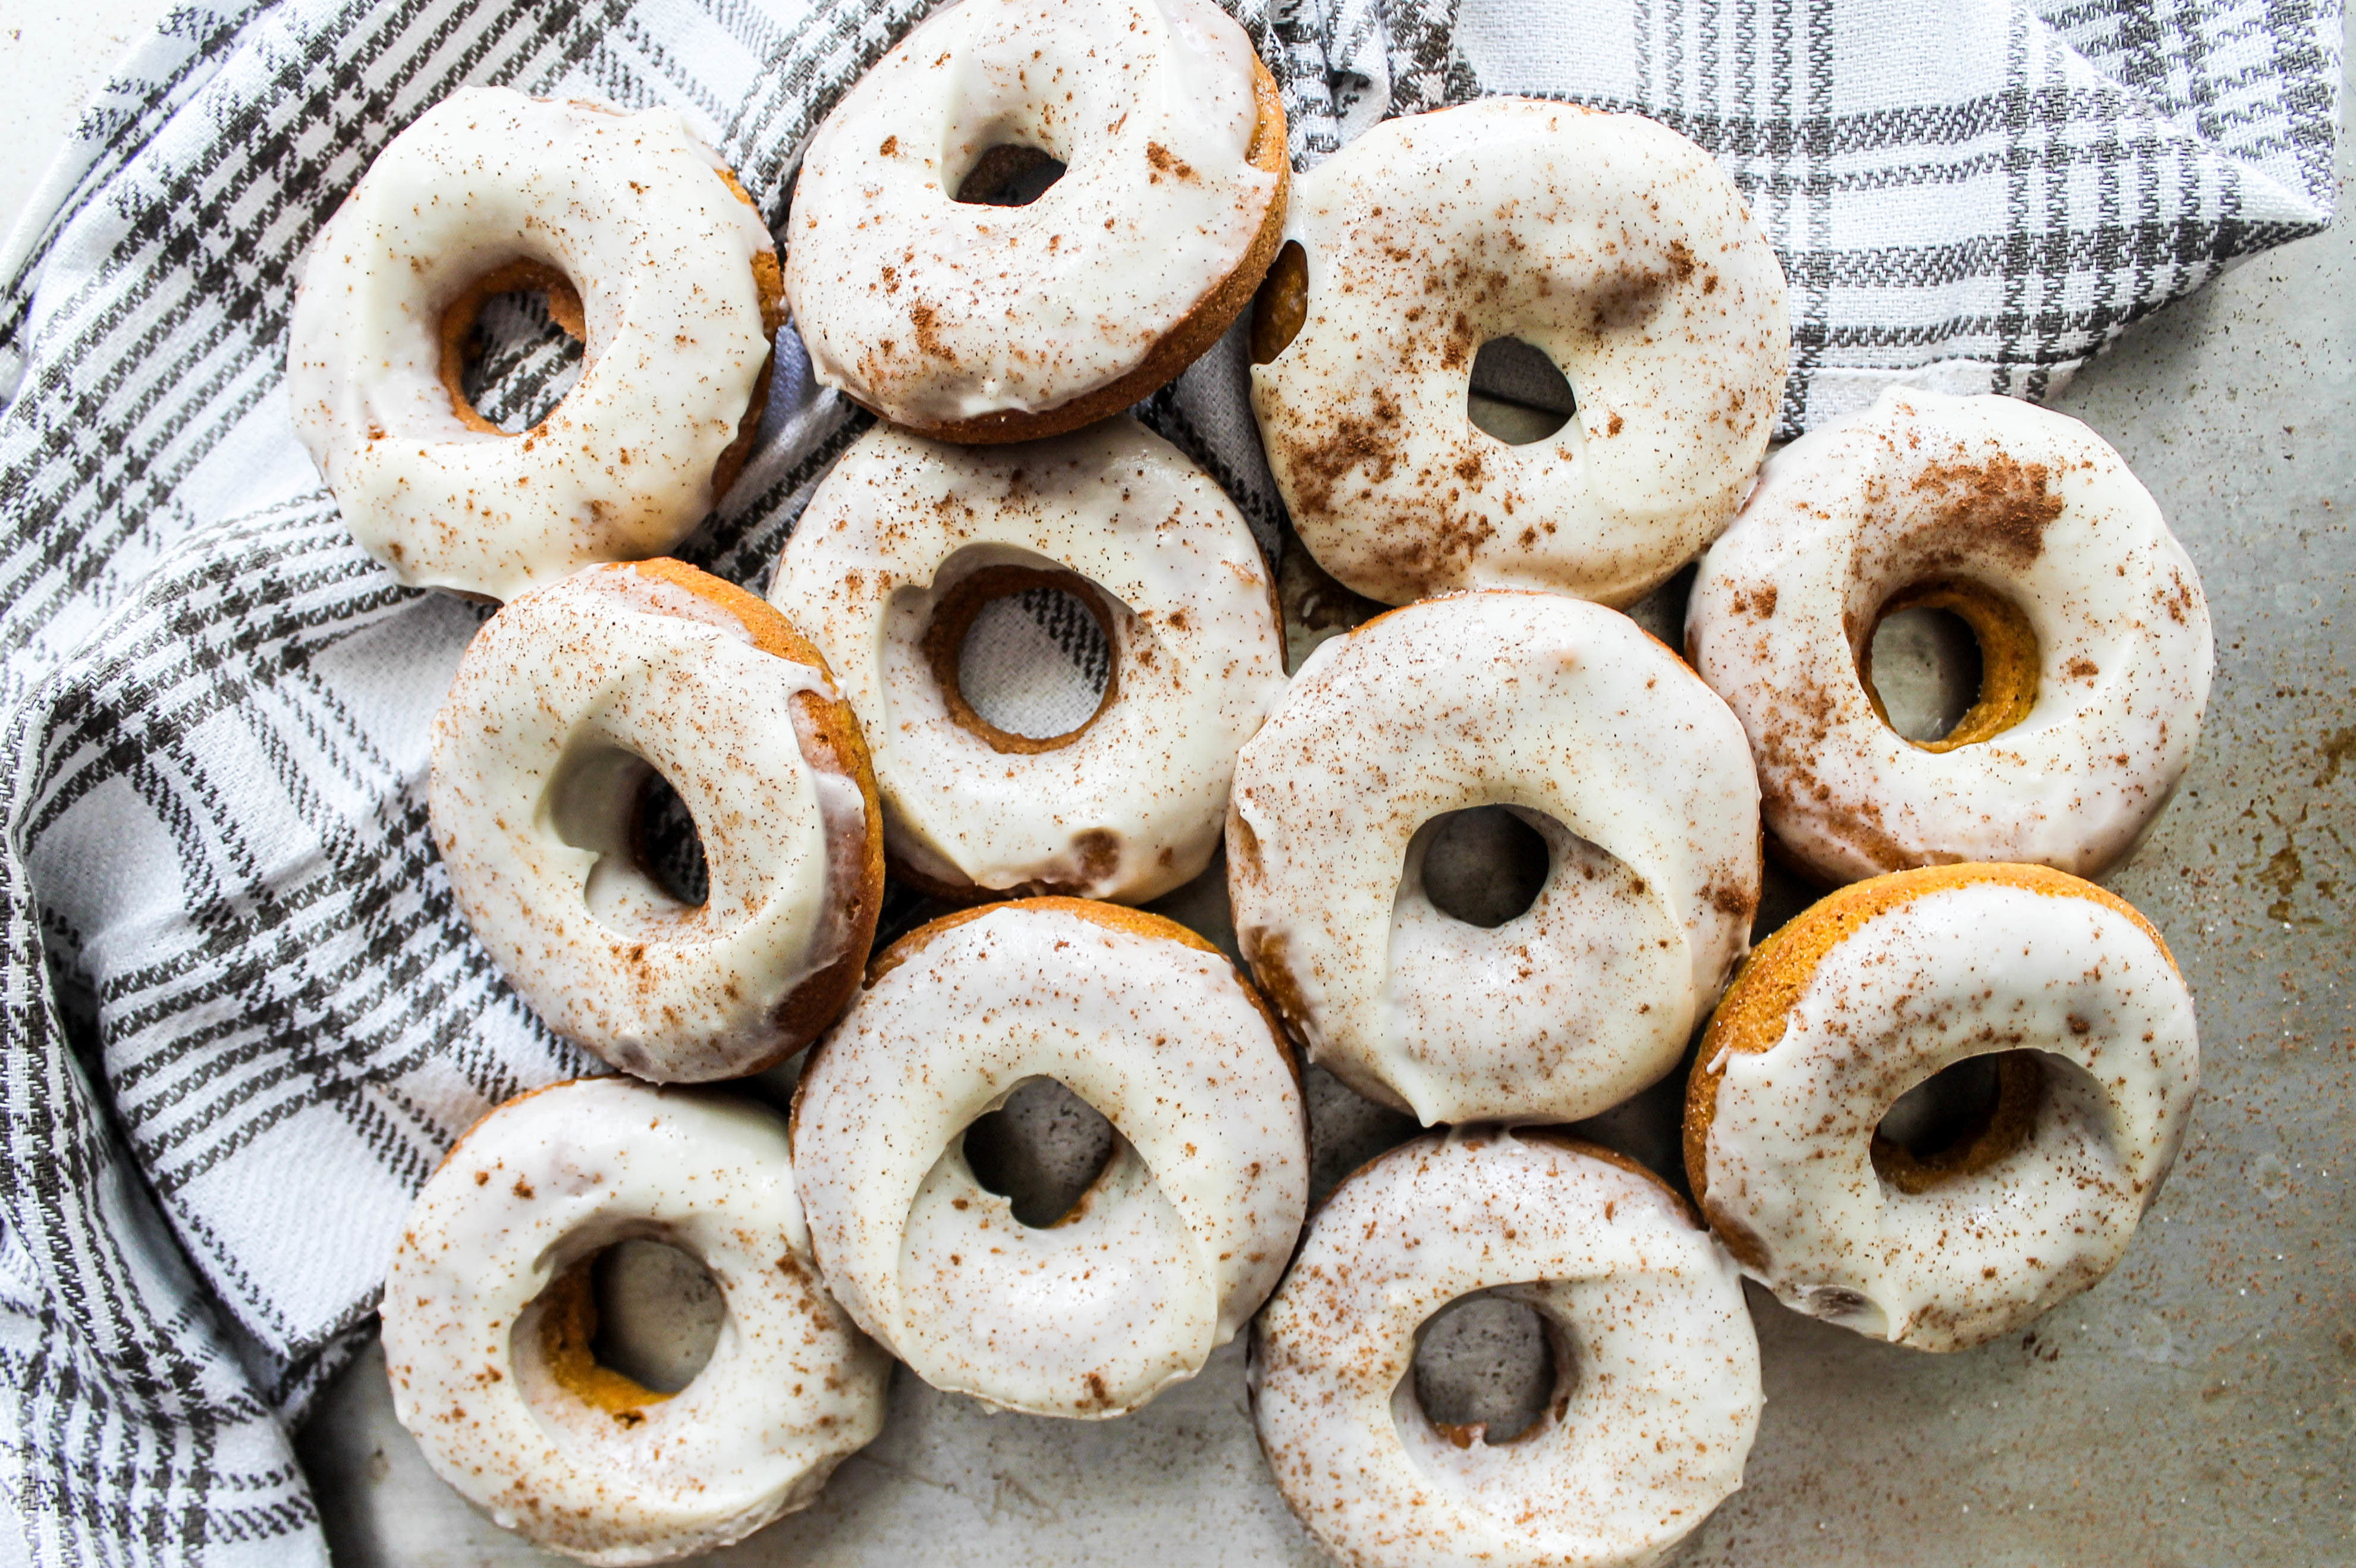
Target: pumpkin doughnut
point(1611, 244)
point(908, 539)
point(2095, 641)
point(566, 707)
point(1871, 992)
point(1630, 770)
point(1657, 1394)
point(975, 321)
point(1183, 1231)
point(488, 1321)
point(648, 252)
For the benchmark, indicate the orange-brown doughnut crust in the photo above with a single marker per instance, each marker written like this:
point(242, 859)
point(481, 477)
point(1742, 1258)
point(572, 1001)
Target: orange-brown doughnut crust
point(458, 323)
point(568, 1326)
point(1281, 307)
point(2008, 658)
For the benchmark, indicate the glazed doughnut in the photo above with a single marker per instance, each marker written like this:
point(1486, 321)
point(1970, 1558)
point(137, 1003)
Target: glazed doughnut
point(488, 1317)
point(1657, 1369)
point(975, 321)
point(1872, 991)
point(648, 250)
point(908, 539)
point(1598, 738)
point(566, 706)
point(2093, 635)
point(1182, 1233)
point(1611, 244)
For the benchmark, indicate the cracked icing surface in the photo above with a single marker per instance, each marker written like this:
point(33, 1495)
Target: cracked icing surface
point(1648, 1431)
point(548, 1180)
point(666, 258)
point(1917, 971)
point(1132, 808)
point(1184, 1232)
point(1611, 244)
point(934, 312)
point(565, 701)
point(1989, 492)
point(1532, 700)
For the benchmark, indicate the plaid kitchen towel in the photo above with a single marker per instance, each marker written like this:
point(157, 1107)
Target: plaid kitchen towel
point(243, 1020)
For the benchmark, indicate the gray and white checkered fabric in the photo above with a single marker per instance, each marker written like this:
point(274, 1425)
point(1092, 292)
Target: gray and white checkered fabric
point(244, 1021)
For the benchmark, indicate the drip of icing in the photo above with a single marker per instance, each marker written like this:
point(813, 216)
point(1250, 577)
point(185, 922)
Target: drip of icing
point(645, 594)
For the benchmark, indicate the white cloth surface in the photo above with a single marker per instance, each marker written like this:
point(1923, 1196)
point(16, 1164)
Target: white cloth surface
point(243, 1019)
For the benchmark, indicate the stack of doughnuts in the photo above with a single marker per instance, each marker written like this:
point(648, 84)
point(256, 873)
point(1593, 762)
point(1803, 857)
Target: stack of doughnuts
point(669, 807)
point(665, 805)
point(1972, 952)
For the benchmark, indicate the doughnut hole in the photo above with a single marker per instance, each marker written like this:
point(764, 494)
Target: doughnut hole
point(618, 1330)
point(1485, 866)
point(650, 871)
point(1581, 939)
point(666, 845)
point(1008, 175)
point(1023, 656)
point(513, 344)
point(1925, 666)
point(1967, 1117)
point(1280, 308)
point(1042, 1149)
point(1490, 1369)
point(1516, 393)
point(1949, 663)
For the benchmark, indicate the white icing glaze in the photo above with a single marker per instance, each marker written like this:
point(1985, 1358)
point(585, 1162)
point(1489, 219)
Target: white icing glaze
point(1949, 974)
point(537, 763)
point(1611, 244)
point(1198, 658)
point(553, 1177)
point(1533, 700)
point(1174, 1247)
point(631, 210)
point(1847, 516)
point(1664, 1398)
point(932, 311)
